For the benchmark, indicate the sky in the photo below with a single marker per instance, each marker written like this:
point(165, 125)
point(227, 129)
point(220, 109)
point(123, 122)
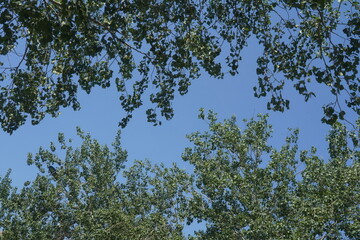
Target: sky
point(101, 113)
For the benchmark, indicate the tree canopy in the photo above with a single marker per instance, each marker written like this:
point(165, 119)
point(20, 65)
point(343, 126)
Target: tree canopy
point(240, 186)
point(50, 49)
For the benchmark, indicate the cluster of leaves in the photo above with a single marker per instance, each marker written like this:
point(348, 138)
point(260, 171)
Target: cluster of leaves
point(80, 197)
point(241, 187)
point(59, 46)
point(247, 189)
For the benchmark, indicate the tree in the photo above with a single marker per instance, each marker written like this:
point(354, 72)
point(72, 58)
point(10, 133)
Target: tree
point(247, 189)
point(86, 201)
point(62, 46)
point(239, 185)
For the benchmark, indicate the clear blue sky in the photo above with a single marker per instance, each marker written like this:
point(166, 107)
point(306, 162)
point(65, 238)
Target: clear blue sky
point(101, 112)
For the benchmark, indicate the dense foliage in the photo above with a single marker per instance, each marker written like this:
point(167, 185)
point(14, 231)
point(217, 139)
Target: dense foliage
point(240, 186)
point(52, 48)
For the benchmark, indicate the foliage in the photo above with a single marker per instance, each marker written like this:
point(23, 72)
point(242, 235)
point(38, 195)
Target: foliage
point(239, 185)
point(53, 48)
point(247, 189)
point(86, 201)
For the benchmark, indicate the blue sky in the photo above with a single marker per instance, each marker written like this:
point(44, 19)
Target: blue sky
point(101, 112)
